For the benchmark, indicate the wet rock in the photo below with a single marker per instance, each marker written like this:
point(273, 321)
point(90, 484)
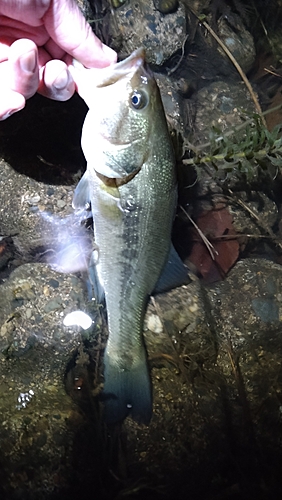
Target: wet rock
point(6, 251)
point(263, 212)
point(154, 323)
point(266, 309)
point(225, 397)
point(137, 24)
point(238, 40)
point(166, 6)
point(176, 111)
point(40, 422)
point(182, 314)
point(247, 310)
point(222, 105)
point(61, 203)
point(32, 311)
point(30, 233)
point(253, 288)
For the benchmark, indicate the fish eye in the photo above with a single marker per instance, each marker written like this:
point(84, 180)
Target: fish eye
point(139, 100)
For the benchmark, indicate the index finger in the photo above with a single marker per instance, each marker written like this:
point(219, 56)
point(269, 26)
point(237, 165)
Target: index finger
point(69, 29)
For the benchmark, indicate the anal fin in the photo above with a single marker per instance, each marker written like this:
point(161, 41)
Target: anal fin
point(174, 274)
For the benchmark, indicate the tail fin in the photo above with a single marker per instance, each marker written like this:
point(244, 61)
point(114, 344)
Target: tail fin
point(127, 392)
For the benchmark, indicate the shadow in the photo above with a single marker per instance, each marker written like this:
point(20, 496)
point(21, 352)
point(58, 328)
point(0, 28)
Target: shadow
point(43, 140)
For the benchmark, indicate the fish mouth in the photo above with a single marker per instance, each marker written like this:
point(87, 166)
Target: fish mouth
point(113, 167)
point(117, 71)
point(116, 142)
point(115, 181)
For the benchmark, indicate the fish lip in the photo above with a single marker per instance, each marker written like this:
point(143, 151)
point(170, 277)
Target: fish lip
point(131, 64)
point(108, 172)
point(120, 172)
point(137, 57)
point(115, 142)
point(117, 181)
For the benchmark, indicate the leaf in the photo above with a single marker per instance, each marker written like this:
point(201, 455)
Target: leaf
point(215, 224)
point(277, 162)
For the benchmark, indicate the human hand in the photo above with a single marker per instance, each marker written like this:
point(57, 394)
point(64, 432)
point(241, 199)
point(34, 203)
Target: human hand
point(38, 41)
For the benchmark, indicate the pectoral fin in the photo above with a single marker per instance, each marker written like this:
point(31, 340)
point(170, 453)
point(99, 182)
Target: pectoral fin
point(174, 274)
point(97, 288)
point(81, 197)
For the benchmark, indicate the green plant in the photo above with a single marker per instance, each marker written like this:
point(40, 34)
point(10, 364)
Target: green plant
point(246, 154)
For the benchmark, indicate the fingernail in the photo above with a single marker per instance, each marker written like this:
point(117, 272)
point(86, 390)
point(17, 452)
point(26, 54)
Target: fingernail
point(62, 80)
point(4, 117)
point(28, 62)
point(9, 113)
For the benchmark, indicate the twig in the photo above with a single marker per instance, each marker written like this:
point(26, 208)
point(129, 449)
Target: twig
point(233, 60)
point(272, 72)
point(256, 217)
point(180, 59)
point(212, 251)
point(239, 69)
point(240, 235)
point(175, 357)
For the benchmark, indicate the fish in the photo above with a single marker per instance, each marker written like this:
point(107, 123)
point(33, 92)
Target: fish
point(131, 184)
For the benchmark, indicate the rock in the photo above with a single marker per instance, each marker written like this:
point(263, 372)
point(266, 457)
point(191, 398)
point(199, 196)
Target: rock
point(247, 310)
point(238, 40)
point(260, 213)
point(154, 323)
point(135, 24)
point(172, 103)
point(39, 421)
point(253, 288)
point(28, 226)
point(220, 104)
point(24, 295)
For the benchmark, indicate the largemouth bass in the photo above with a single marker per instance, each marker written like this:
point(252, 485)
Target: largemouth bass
point(131, 184)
